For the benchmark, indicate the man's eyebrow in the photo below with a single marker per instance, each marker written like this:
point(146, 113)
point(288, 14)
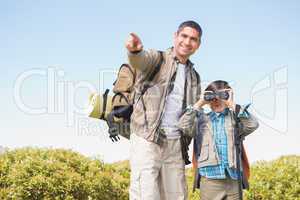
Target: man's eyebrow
point(184, 35)
point(195, 38)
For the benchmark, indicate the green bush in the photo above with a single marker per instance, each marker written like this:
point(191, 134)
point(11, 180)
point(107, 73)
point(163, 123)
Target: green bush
point(269, 180)
point(276, 180)
point(56, 174)
point(59, 174)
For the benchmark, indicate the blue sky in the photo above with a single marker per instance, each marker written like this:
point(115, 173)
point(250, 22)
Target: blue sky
point(243, 42)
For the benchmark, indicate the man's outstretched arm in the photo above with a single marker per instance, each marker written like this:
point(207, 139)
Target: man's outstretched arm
point(138, 57)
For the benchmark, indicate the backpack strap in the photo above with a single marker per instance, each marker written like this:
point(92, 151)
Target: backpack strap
point(242, 181)
point(244, 159)
point(157, 68)
point(104, 103)
point(185, 140)
point(198, 140)
point(122, 96)
point(147, 85)
point(153, 73)
point(184, 104)
point(197, 76)
point(237, 111)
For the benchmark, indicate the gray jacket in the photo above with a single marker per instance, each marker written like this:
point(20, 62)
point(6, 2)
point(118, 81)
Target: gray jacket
point(147, 114)
point(208, 155)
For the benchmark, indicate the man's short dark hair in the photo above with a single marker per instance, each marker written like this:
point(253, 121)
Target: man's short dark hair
point(191, 24)
point(218, 85)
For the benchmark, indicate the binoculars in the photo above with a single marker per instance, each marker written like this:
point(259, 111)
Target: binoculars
point(210, 95)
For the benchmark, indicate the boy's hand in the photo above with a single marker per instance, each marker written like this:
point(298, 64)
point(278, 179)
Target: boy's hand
point(201, 102)
point(134, 43)
point(230, 101)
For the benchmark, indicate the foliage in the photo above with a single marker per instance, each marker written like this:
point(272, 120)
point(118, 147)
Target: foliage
point(57, 174)
point(276, 180)
point(270, 180)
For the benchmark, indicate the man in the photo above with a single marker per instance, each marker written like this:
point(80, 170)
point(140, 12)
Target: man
point(158, 142)
point(215, 142)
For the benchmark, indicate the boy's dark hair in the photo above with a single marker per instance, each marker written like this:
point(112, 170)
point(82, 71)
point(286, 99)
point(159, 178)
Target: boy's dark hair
point(217, 85)
point(191, 24)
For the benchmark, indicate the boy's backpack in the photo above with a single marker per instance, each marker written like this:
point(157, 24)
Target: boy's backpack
point(116, 110)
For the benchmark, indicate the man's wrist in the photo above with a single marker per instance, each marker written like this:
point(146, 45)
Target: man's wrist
point(192, 109)
point(135, 51)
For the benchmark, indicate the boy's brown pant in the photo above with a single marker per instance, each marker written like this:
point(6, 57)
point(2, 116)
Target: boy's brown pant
point(219, 189)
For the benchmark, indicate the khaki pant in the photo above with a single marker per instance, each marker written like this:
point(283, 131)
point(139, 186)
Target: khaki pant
point(223, 189)
point(157, 172)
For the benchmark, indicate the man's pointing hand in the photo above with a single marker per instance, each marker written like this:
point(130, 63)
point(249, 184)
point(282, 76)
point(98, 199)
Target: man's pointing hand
point(134, 43)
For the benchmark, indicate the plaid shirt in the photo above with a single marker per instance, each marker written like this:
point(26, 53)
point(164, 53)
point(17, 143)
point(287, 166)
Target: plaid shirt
point(220, 137)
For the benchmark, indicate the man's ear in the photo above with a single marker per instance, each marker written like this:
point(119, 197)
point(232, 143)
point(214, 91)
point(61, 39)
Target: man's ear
point(175, 35)
point(199, 44)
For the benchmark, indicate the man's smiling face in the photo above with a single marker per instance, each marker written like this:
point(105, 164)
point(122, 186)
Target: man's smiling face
point(186, 42)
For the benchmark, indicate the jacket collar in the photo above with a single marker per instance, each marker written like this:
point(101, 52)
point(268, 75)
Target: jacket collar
point(171, 52)
point(213, 115)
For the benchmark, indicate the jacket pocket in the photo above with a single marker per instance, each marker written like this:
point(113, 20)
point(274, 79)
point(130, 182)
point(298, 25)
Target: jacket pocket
point(204, 154)
point(152, 103)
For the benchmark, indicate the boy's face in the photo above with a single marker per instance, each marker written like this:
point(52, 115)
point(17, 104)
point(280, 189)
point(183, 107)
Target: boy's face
point(217, 105)
point(220, 100)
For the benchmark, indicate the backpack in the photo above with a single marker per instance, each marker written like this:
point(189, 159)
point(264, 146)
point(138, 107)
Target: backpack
point(116, 110)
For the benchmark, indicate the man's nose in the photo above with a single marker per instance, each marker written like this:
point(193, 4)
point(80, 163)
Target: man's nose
point(187, 41)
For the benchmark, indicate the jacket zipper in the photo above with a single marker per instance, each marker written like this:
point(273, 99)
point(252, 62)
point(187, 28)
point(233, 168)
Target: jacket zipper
point(164, 103)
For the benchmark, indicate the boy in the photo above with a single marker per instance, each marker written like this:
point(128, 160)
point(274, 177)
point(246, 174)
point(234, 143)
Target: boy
point(215, 148)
